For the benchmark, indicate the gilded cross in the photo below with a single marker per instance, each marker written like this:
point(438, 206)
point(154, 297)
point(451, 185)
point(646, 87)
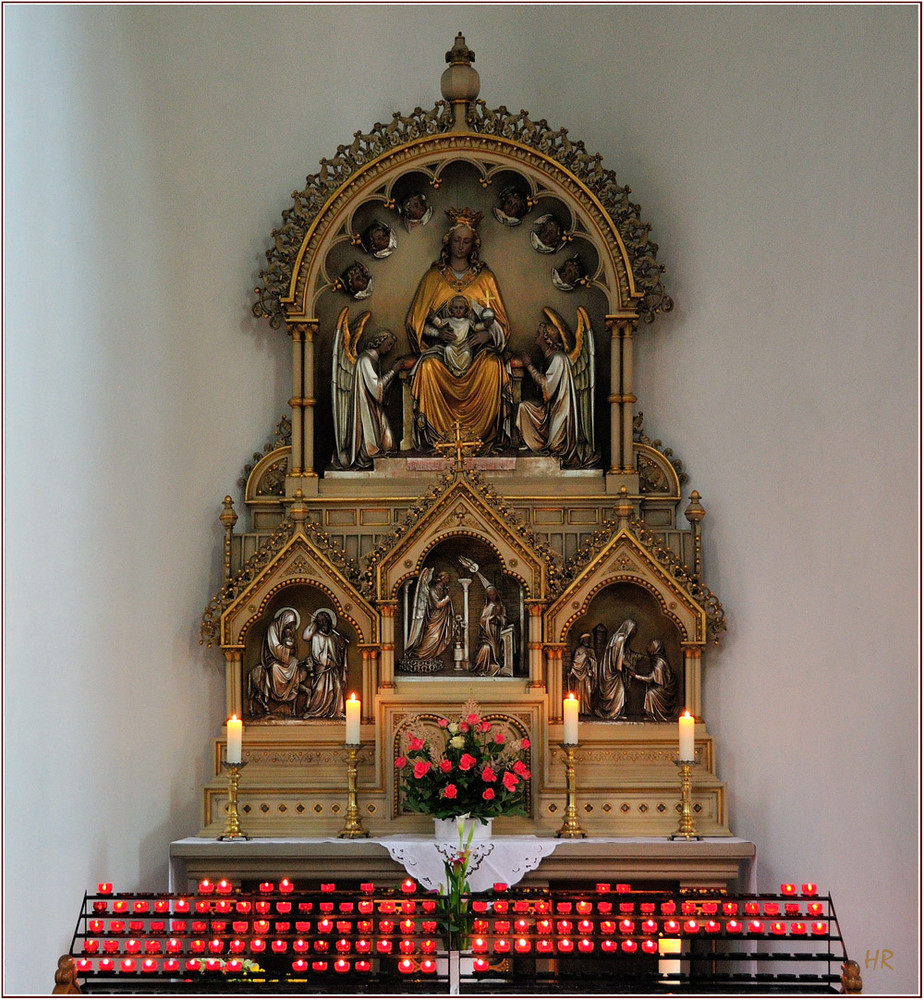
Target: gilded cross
point(457, 445)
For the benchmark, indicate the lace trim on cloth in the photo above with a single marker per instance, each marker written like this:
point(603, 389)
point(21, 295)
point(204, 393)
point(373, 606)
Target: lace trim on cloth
point(506, 860)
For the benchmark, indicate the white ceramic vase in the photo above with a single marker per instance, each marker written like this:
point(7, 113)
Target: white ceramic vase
point(456, 829)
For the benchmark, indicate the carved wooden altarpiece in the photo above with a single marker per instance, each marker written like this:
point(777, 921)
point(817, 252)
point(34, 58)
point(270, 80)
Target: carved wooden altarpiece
point(363, 505)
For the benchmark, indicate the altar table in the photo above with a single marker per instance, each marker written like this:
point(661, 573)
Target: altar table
point(714, 862)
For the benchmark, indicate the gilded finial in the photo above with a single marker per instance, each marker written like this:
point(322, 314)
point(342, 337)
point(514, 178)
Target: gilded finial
point(299, 510)
point(695, 512)
point(227, 516)
point(460, 82)
point(623, 508)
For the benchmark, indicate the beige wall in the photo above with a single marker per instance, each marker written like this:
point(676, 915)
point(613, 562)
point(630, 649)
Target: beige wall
point(150, 150)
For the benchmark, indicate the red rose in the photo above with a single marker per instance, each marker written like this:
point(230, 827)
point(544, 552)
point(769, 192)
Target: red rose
point(520, 767)
point(498, 737)
point(471, 719)
point(488, 775)
point(400, 761)
point(488, 794)
point(421, 768)
point(524, 744)
point(415, 743)
point(510, 780)
point(464, 727)
point(450, 792)
point(445, 766)
point(467, 762)
point(443, 723)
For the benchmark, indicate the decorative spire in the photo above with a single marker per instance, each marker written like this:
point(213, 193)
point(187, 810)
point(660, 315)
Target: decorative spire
point(460, 82)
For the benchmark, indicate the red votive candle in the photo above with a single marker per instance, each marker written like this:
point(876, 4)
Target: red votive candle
point(691, 927)
point(341, 965)
point(152, 947)
point(626, 926)
point(522, 945)
point(328, 887)
point(362, 965)
point(428, 966)
point(771, 909)
point(224, 906)
point(257, 945)
point(649, 926)
point(192, 964)
point(224, 887)
point(119, 906)
point(792, 909)
point(206, 887)
point(383, 946)
point(756, 927)
point(809, 889)
point(110, 946)
point(566, 945)
point(630, 947)
point(367, 887)
point(104, 888)
point(668, 907)
point(585, 927)
point(116, 926)
point(408, 886)
point(603, 887)
point(299, 965)
point(500, 886)
point(132, 946)
point(90, 946)
point(604, 906)
point(650, 947)
point(544, 945)
point(733, 926)
point(788, 889)
point(286, 886)
point(712, 927)
point(363, 946)
point(322, 945)
point(181, 906)
point(267, 886)
point(816, 909)
point(406, 965)
point(777, 927)
point(171, 965)
point(819, 928)
point(585, 946)
point(623, 887)
point(106, 965)
point(428, 947)
point(479, 946)
point(797, 928)
point(127, 965)
point(84, 965)
point(149, 965)
point(564, 926)
point(501, 905)
point(318, 966)
point(481, 965)
point(406, 946)
point(584, 907)
point(609, 945)
point(672, 927)
point(729, 908)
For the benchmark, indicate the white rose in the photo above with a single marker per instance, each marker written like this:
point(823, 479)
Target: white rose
point(453, 727)
point(457, 742)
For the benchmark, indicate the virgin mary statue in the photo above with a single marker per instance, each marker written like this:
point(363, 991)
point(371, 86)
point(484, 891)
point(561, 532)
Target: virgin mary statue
point(476, 390)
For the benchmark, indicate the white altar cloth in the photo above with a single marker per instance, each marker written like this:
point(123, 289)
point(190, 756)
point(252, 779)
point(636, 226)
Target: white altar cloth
point(508, 859)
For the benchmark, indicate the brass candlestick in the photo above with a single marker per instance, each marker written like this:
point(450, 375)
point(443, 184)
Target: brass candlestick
point(571, 827)
point(686, 830)
point(233, 829)
point(353, 827)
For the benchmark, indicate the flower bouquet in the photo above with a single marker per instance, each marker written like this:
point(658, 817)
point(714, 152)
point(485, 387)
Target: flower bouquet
point(469, 767)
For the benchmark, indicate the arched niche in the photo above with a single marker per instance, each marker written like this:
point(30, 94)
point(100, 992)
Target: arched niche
point(612, 605)
point(306, 600)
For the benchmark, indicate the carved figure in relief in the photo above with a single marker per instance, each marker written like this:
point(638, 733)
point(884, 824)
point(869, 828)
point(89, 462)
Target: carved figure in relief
point(547, 235)
point(568, 274)
point(489, 658)
point(479, 397)
point(454, 329)
point(582, 677)
point(415, 211)
point(618, 661)
point(512, 205)
point(326, 668)
point(378, 239)
point(358, 390)
point(661, 684)
point(278, 675)
point(356, 281)
point(563, 424)
point(433, 627)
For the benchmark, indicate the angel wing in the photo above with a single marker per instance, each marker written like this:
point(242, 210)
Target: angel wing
point(421, 595)
point(583, 369)
point(343, 380)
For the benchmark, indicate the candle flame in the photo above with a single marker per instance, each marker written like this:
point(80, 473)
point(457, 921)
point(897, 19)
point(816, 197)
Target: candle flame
point(352, 696)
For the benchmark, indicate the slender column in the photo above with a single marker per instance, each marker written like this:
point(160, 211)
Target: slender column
point(693, 680)
point(233, 678)
point(536, 609)
point(387, 661)
point(308, 402)
point(465, 611)
point(554, 681)
point(407, 414)
point(369, 680)
point(621, 397)
point(297, 332)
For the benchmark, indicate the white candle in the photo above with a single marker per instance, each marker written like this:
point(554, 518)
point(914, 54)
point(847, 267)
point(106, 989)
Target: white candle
point(686, 736)
point(570, 716)
point(353, 708)
point(235, 738)
point(669, 966)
